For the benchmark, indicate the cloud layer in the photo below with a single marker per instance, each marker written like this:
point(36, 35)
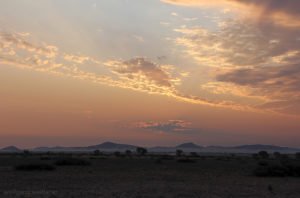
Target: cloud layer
point(138, 68)
point(137, 74)
point(170, 126)
point(258, 54)
point(255, 57)
point(281, 84)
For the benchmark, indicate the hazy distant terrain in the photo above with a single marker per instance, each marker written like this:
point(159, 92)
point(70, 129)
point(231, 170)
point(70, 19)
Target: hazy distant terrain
point(187, 147)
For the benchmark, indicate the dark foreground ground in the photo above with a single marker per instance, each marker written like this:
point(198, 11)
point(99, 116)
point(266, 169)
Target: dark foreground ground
point(126, 177)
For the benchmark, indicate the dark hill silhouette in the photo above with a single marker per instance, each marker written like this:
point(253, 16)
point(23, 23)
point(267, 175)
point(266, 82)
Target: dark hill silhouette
point(11, 149)
point(113, 146)
point(261, 147)
point(109, 146)
point(186, 147)
point(189, 145)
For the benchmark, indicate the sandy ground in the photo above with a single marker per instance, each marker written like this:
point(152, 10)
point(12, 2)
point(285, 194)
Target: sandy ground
point(126, 178)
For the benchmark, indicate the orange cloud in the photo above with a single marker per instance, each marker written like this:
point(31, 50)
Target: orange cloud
point(76, 58)
point(137, 74)
point(281, 84)
point(167, 126)
point(248, 51)
point(10, 40)
point(205, 3)
point(285, 13)
point(141, 68)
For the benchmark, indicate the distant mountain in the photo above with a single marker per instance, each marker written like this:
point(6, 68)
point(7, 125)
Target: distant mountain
point(186, 147)
point(112, 146)
point(261, 147)
point(248, 149)
point(162, 149)
point(10, 149)
point(106, 146)
point(189, 145)
point(56, 148)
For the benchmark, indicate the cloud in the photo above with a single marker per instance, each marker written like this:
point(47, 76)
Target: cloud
point(170, 126)
point(143, 75)
point(258, 60)
point(196, 2)
point(285, 13)
point(238, 43)
point(164, 23)
point(76, 58)
point(16, 40)
point(290, 7)
point(234, 91)
point(174, 14)
point(162, 58)
point(280, 84)
point(139, 38)
point(140, 68)
point(190, 19)
point(138, 74)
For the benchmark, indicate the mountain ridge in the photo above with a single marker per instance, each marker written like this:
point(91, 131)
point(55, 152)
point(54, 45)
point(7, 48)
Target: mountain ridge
point(189, 145)
point(186, 147)
point(11, 149)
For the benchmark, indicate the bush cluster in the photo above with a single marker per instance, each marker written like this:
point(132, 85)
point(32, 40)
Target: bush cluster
point(35, 167)
point(277, 170)
point(72, 162)
point(186, 160)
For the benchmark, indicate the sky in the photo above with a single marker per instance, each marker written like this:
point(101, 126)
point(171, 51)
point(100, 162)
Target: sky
point(149, 72)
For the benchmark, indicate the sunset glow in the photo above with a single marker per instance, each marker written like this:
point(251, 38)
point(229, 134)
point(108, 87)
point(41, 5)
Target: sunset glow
point(149, 72)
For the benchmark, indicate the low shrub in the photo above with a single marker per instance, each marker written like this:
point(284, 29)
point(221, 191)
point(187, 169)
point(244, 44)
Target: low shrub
point(97, 152)
point(141, 151)
point(263, 154)
point(117, 154)
point(270, 171)
point(186, 160)
point(72, 162)
point(263, 163)
point(297, 155)
point(293, 169)
point(278, 170)
point(35, 167)
point(158, 161)
point(255, 156)
point(128, 152)
point(167, 157)
point(194, 154)
point(45, 158)
point(277, 155)
point(179, 152)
